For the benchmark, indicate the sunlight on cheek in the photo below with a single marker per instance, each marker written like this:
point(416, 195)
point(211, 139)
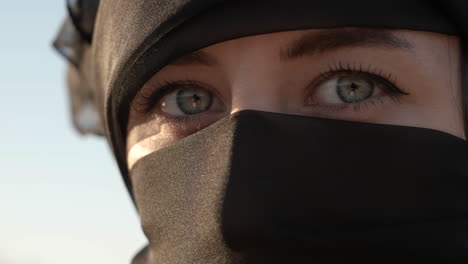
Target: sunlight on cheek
point(148, 145)
point(151, 136)
point(138, 150)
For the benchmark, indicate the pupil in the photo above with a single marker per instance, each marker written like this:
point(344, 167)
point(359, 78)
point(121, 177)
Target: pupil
point(354, 89)
point(195, 98)
point(193, 101)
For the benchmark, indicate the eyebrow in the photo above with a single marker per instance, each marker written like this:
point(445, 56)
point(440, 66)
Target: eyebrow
point(333, 39)
point(195, 58)
point(316, 43)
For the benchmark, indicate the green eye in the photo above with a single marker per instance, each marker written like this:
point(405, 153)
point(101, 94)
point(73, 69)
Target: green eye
point(191, 101)
point(354, 89)
point(345, 88)
point(185, 99)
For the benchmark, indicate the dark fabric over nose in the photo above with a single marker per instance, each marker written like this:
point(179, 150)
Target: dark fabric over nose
point(261, 187)
point(327, 189)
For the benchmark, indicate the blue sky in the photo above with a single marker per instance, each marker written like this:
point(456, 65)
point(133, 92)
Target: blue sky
point(61, 196)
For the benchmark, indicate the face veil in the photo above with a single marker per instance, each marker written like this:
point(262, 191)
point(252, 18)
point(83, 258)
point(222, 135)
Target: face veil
point(251, 196)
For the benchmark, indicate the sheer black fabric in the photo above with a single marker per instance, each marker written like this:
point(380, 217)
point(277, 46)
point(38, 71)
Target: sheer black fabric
point(268, 188)
point(69, 43)
point(83, 14)
point(77, 30)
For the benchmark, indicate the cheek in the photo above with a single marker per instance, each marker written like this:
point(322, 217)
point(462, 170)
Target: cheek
point(148, 136)
point(156, 139)
point(435, 110)
point(159, 132)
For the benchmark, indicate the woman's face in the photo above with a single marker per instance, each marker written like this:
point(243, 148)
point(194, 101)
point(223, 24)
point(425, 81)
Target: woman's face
point(399, 77)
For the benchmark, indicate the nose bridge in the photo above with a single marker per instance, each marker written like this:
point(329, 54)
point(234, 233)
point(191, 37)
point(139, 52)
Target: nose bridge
point(257, 89)
point(254, 79)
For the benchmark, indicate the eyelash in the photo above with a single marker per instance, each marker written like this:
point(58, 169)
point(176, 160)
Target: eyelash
point(153, 94)
point(373, 73)
point(353, 69)
point(156, 91)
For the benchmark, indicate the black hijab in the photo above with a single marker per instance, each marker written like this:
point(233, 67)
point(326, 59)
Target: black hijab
point(255, 204)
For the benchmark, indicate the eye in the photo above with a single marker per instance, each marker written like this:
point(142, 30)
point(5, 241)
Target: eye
point(189, 99)
point(350, 88)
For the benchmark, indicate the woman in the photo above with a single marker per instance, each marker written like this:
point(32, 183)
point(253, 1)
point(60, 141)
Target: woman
point(282, 131)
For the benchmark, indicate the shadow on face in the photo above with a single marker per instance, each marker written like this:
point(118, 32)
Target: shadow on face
point(400, 77)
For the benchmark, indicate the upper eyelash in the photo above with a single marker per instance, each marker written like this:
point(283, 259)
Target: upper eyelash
point(359, 68)
point(156, 91)
point(354, 68)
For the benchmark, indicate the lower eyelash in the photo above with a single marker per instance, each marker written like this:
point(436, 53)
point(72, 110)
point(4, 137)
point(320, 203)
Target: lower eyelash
point(359, 106)
point(155, 92)
point(182, 120)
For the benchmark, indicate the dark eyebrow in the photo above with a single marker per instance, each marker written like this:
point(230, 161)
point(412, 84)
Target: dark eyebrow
point(333, 39)
point(197, 57)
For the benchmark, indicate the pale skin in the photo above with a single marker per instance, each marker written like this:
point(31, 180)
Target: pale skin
point(398, 77)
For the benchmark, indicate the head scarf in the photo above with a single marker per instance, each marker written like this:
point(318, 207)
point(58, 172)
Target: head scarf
point(118, 50)
point(134, 39)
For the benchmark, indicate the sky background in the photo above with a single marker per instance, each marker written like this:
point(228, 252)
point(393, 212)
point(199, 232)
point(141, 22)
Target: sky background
point(61, 196)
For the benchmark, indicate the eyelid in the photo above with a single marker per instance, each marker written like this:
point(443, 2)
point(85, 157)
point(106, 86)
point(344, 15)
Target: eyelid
point(157, 90)
point(339, 69)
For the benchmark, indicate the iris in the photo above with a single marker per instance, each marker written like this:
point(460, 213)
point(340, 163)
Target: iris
point(193, 101)
point(351, 89)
